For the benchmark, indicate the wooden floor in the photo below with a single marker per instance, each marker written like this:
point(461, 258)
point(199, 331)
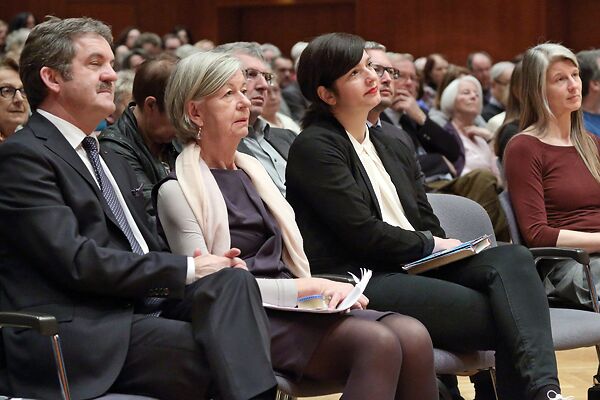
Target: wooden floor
point(575, 371)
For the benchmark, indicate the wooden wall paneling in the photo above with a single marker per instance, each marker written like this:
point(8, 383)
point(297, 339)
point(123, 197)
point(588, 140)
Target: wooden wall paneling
point(117, 14)
point(283, 24)
point(421, 27)
point(583, 20)
point(40, 9)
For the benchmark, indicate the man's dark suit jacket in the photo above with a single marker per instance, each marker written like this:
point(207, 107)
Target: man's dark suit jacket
point(280, 139)
point(434, 140)
point(337, 210)
point(62, 253)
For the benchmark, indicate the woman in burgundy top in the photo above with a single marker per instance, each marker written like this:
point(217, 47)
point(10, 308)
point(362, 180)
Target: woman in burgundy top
point(553, 168)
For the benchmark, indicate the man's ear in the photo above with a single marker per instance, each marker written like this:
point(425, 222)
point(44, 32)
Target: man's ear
point(150, 104)
point(51, 78)
point(326, 95)
point(194, 113)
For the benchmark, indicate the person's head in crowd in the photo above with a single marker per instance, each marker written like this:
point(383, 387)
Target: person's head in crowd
point(186, 50)
point(297, 50)
point(284, 69)
point(3, 33)
point(270, 51)
point(55, 72)
point(408, 79)
point(205, 45)
point(171, 43)
point(127, 37)
point(14, 108)
point(462, 99)
point(183, 34)
point(349, 85)
point(150, 42)
point(134, 59)
point(500, 74)
point(434, 70)
point(420, 64)
point(195, 100)
point(15, 42)
point(22, 20)
point(454, 72)
point(123, 94)
point(272, 102)
point(149, 87)
point(550, 88)
point(387, 74)
point(589, 71)
point(513, 105)
point(480, 65)
point(256, 72)
point(125, 42)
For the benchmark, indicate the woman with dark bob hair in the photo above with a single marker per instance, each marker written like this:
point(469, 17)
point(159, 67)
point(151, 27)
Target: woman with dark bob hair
point(359, 202)
point(221, 198)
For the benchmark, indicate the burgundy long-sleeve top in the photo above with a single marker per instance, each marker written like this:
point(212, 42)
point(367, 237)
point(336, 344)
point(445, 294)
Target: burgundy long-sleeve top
point(550, 189)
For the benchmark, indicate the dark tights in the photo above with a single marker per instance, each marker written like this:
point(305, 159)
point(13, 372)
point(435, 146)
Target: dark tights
point(389, 359)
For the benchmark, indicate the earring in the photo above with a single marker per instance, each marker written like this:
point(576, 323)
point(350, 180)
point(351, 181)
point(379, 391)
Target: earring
point(199, 134)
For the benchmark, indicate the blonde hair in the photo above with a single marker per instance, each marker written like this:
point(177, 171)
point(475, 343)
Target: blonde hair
point(195, 77)
point(535, 111)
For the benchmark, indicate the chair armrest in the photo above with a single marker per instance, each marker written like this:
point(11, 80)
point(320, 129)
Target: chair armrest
point(337, 278)
point(43, 323)
point(579, 255)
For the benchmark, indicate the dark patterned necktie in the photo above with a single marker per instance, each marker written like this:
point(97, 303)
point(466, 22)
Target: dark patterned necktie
point(151, 304)
point(89, 144)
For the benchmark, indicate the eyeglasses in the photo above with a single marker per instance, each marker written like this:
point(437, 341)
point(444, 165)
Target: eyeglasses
point(404, 77)
point(380, 69)
point(252, 74)
point(9, 92)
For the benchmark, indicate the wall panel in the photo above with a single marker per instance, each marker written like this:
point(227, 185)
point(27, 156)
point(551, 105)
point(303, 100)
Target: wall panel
point(503, 27)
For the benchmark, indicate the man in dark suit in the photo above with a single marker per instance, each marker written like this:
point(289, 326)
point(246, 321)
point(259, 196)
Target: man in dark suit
point(74, 243)
point(268, 145)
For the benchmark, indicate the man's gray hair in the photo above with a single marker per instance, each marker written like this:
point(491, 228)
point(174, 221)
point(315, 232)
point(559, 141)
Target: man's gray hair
point(371, 45)
point(251, 49)
point(270, 47)
point(50, 44)
point(499, 68)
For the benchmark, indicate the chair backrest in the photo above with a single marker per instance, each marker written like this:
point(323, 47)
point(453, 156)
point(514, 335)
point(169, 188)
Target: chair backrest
point(461, 218)
point(511, 219)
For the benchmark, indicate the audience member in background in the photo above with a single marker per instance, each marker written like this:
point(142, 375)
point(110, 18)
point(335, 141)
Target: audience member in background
point(375, 355)
point(510, 124)
point(271, 109)
point(433, 74)
point(284, 69)
point(143, 134)
point(65, 253)
point(123, 94)
point(461, 102)
point(589, 67)
point(436, 114)
point(553, 170)
point(480, 65)
point(269, 145)
point(186, 50)
point(500, 74)
point(125, 42)
point(183, 34)
point(134, 59)
point(270, 52)
point(22, 20)
point(150, 42)
point(14, 108)
point(3, 33)
point(205, 44)
point(364, 206)
point(15, 42)
point(171, 43)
